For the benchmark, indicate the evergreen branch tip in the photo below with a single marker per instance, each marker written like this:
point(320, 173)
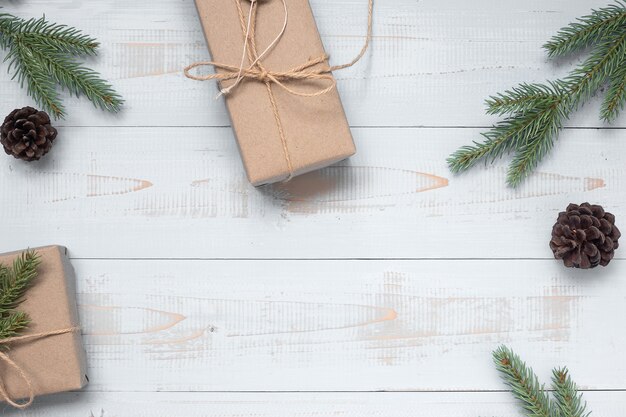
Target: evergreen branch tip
point(14, 282)
point(534, 113)
point(42, 56)
point(535, 400)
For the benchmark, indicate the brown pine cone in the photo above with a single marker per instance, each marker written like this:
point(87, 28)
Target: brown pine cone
point(585, 236)
point(27, 134)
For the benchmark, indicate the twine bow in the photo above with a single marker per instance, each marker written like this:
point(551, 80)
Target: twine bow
point(4, 395)
point(256, 70)
point(259, 73)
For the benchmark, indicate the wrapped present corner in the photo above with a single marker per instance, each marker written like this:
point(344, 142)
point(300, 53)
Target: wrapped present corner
point(286, 114)
point(49, 363)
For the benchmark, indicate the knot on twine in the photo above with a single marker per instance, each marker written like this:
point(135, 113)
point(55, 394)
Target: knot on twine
point(310, 70)
point(264, 76)
point(260, 73)
point(4, 394)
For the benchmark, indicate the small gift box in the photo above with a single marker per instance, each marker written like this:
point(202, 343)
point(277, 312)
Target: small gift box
point(48, 355)
point(271, 65)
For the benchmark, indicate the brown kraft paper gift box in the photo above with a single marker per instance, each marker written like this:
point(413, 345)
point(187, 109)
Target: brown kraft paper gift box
point(55, 363)
point(316, 131)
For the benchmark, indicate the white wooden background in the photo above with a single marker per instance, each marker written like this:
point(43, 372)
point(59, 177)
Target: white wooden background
point(377, 287)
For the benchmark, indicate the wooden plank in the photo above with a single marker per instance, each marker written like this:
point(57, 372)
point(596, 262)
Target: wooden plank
point(345, 325)
point(167, 404)
point(431, 63)
point(181, 193)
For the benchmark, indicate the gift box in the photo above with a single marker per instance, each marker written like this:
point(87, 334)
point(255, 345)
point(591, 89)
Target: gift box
point(287, 134)
point(50, 362)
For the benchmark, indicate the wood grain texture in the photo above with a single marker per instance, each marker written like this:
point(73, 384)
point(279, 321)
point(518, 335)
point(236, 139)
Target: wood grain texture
point(182, 193)
point(344, 325)
point(431, 63)
point(167, 404)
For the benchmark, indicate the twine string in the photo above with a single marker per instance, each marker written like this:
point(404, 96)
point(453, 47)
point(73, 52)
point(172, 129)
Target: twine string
point(257, 71)
point(253, 56)
point(4, 394)
point(247, 37)
point(243, 53)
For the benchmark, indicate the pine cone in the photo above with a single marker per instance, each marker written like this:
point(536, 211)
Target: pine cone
point(585, 236)
point(27, 134)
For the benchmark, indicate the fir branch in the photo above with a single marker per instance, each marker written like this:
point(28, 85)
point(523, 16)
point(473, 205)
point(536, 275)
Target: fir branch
point(15, 281)
point(606, 58)
point(79, 80)
point(42, 55)
point(535, 113)
point(539, 143)
point(523, 383)
point(587, 30)
point(59, 38)
point(12, 324)
point(615, 96)
point(4, 271)
point(566, 395)
point(512, 133)
point(13, 284)
point(39, 85)
point(525, 387)
point(525, 97)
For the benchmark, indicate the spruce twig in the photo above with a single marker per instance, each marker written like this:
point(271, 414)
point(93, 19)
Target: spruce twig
point(523, 382)
point(566, 394)
point(615, 96)
point(42, 55)
point(587, 30)
point(535, 400)
point(535, 113)
point(11, 324)
point(13, 284)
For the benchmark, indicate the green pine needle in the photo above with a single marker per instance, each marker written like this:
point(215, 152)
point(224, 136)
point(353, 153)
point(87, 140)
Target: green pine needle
point(41, 56)
point(524, 98)
point(587, 30)
point(537, 144)
point(60, 38)
point(566, 394)
point(525, 132)
point(12, 324)
point(615, 97)
point(78, 79)
point(608, 56)
point(535, 113)
point(13, 284)
point(523, 383)
point(525, 386)
point(40, 85)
